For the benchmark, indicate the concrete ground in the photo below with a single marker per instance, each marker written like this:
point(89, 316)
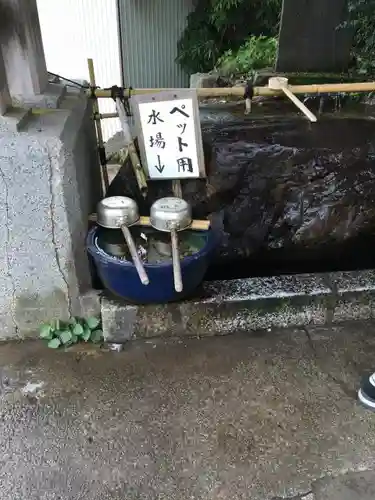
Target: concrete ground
point(226, 418)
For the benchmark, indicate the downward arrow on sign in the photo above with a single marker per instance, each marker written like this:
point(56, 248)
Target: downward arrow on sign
point(159, 167)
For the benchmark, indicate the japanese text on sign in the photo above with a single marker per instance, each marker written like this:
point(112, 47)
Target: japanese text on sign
point(169, 135)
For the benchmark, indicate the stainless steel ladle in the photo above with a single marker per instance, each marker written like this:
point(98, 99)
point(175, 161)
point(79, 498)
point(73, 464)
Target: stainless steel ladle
point(120, 212)
point(171, 215)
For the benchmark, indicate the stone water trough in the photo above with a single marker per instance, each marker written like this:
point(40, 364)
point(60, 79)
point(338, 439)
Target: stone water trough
point(294, 202)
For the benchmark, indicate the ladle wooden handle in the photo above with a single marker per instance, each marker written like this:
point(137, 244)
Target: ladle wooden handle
point(300, 105)
point(176, 262)
point(134, 254)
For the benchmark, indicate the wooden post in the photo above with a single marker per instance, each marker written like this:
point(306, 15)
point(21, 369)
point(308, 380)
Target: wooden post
point(99, 132)
point(177, 188)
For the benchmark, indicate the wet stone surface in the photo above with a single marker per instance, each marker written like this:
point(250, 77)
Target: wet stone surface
point(267, 417)
point(228, 306)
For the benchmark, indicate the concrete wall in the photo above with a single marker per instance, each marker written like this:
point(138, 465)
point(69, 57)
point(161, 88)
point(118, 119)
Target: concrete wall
point(22, 47)
point(93, 32)
point(49, 183)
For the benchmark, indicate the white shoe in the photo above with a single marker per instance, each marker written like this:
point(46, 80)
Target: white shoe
point(366, 393)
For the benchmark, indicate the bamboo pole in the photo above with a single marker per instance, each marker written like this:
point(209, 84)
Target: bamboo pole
point(258, 91)
point(177, 188)
point(102, 116)
point(132, 151)
point(98, 125)
point(196, 225)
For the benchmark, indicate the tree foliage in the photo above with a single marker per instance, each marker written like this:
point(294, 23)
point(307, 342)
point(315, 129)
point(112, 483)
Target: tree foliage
point(256, 53)
point(362, 21)
point(216, 26)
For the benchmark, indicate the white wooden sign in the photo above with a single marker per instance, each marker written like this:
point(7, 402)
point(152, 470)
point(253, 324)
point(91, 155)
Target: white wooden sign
point(169, 134)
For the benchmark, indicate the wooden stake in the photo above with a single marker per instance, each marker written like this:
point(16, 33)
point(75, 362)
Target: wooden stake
point(99, 131)
point(177, 188)
point(129, 143)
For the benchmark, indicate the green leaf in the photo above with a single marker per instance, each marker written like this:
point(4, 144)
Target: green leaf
point(45, 331)
point(73, 321)
point(75, 339)
point(92, 322)
point(65, 336)
point(77, 329)
point(54, 343)
point(96, 336)
point(50, 336)
point(86, 334)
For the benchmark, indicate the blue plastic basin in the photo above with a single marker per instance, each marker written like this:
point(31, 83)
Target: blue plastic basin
point(120, 276)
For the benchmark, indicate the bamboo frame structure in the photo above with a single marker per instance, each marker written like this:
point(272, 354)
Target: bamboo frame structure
point(258, 91)
point(128, 140)
point(326, 88)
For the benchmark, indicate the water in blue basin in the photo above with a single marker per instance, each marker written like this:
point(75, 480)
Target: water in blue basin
point(119, 276)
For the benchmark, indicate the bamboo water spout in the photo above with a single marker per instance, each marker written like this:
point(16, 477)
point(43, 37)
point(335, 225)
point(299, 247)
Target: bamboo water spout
point(277, 83)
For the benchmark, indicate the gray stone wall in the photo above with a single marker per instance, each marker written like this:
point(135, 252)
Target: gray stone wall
point(49, 183)
point(309, 39)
